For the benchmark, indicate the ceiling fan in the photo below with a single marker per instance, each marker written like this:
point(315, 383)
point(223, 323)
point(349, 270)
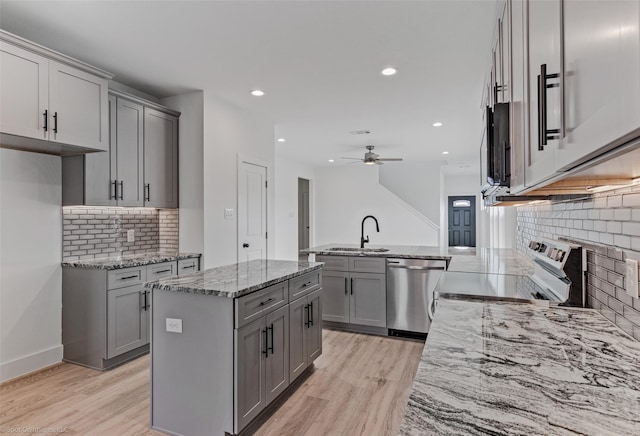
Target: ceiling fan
point(371, 158)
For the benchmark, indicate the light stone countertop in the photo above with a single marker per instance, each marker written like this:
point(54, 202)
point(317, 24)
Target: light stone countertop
point(128, 261)
point(478, 260)
point(235, 280)
point(505, 368)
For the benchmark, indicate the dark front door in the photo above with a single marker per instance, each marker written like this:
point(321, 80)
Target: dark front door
point(462, 221)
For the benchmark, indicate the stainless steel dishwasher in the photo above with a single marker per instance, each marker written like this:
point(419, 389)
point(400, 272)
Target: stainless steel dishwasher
point(410, 285)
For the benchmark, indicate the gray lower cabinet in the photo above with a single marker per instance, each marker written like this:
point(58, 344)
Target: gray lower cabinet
point(356, 294)
point(277, 355)
point(127, 320)
point(305, 334)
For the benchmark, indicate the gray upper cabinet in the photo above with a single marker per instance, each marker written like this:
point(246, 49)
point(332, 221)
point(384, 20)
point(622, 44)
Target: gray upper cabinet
point(140, 167)
point(127, 320)
point(160, 159)
point(50, 103)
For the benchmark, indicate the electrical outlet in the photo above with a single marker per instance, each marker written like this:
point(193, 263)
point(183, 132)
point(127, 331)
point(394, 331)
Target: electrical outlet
point(631, 278)
point(174, 325)
point(131, 235)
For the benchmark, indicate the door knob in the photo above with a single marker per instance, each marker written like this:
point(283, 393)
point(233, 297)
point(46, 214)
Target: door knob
point(245, 245)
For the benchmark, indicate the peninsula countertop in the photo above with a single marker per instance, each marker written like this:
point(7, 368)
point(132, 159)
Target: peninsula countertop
point(479, 260)
point(235, 280)
point(505, 368)
point(128, 261)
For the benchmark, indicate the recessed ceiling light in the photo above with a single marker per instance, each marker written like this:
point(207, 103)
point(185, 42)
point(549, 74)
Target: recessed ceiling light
point(281, 140)
point(437, 124)
point(331, 160)
point(445, 152)
point(389, 71)
point(257, 93)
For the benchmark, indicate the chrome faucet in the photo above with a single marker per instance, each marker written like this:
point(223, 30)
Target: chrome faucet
point(364, 240)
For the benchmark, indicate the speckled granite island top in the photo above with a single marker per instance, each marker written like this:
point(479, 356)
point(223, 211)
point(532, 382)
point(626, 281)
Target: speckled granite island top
point(500, 368)
point(478, 260)
point(128, 261)
point(236, 280)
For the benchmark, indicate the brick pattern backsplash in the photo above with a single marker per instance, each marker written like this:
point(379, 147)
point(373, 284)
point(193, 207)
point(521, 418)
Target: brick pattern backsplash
point(169, 229)
point(608, 226)
point(96, 232)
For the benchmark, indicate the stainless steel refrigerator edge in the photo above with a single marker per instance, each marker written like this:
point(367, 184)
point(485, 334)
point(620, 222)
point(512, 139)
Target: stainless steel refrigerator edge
point(410, 285)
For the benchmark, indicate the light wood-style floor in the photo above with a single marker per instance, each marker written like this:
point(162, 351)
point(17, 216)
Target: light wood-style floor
point(359, 386)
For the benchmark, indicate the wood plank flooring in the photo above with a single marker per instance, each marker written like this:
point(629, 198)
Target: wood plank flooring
point(360, 386)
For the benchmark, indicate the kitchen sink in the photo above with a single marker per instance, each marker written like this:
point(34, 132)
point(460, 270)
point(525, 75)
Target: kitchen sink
point(359, 250)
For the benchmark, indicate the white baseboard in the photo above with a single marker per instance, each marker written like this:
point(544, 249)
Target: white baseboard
point(33, 362)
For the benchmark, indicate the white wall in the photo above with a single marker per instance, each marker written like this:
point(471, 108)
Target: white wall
point(346, 194)
point(30, 256)
point(286, 206)
point(462, 184)
point(228, 132)
point(191, 169)
point(417, 183)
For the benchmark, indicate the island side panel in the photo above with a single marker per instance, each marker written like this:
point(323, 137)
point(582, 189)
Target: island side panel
point(192, 371)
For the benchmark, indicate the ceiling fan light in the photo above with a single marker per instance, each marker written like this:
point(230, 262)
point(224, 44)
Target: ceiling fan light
point(370, 162)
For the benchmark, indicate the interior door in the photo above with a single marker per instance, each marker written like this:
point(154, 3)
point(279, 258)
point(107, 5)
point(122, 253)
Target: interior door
point(252, 212)
point(160, 159)
point(462, 221)
point(24, 92)
point(303, 215)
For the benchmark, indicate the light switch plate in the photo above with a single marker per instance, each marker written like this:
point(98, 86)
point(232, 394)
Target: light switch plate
point(174, 325)
point(228, 214)
point(131, 235)
point(631, 278)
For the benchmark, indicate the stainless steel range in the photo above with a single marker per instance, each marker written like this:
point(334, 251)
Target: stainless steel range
point(558, 279)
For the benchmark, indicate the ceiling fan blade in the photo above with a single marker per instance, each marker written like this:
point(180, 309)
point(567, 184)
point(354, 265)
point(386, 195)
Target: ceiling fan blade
point(379, 162)
point(391, 159)
point(351, 163)
point(351, 158)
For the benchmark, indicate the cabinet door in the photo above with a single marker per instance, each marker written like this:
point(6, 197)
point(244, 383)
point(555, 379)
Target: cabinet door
point(335, 286)
point(518, 94)
point(100, 168)
point(368, 299)
point(297, 343)
point(277, 361)
point(602, 77)
point(249, 384)
point(313, 332)
point(79, 103)
point(127, 320)
point(130, 149)
point(24, 92)
point(160, 159)
point(544, 47)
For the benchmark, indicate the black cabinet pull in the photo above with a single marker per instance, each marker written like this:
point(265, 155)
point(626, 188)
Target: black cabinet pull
point(46, 120)
point(188, 267)
point(266, 344)
point(351, 285)
point(306, 309)
point(115, 189)
point(55, 122)
point(145, 300)
point(271, 347)
point(121, 189)
point(311, 313)
point(346, 290)
point(149, 295)
point(545, 134)
point(263, 303)
point(307, 284)
point(147, 188)
point(129, 277)
point(163, 271)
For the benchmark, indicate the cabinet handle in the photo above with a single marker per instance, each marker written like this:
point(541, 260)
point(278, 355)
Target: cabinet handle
point(306, 309)
point(545, 134)
point(262, 303)
point(145, 300)
point(310, 314)
point(266, 344)
point(351, 285)
point(149, 295)
point(346, 290)
point(121, 189)
point(163, 271)
point(307, 284)
point(129, 277)
point(55, 122)
point(188, 267)
point(115, 189)
point(46, 119)
point(271, 347)
point(147, 188)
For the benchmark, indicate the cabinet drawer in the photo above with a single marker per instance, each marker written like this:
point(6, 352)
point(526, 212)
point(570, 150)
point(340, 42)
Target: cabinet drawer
point(253, 306)
point(334, 263)
point(161, 270)
point(186, 266)
point(367, 264)
point(301, 286)
point(126, 277)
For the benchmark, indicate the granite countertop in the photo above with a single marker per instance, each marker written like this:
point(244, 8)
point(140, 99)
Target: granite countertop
point(505, 368)
point(128, 261)
point(481, 260)
point(235, 280)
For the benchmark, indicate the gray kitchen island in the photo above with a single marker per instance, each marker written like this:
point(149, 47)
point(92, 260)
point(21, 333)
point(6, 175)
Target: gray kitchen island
point(228, 341)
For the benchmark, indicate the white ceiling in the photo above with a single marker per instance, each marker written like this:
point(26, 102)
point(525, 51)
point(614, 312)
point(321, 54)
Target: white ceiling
point(318, 63)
